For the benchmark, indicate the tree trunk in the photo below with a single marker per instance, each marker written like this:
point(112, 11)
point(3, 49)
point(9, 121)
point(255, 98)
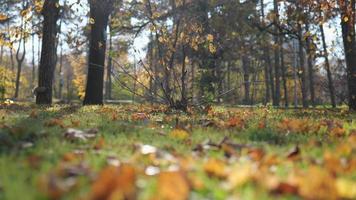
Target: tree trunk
point(33, 75)
point(302, 69)
point(277, 96)
point(20, 58)
point(246, 71)
point(99, 12)
point(47, 65)
point(61, 80)
point(108, 69)
point(328, 69)
point(284, 75)
point(348, 35)
point(310, 57)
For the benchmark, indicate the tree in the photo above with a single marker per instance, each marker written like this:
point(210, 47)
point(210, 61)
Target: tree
point(47, 65)
point(348, 34)
point(99, 17)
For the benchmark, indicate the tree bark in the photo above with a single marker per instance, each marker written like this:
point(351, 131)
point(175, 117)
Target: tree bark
point(348, 35)
point(99, 13)
point(108, 69)
point(277, 96)
point(284, 73)
point(301, 73)
point(310, 57)
point(20, 58)
point(328, 68)
point(47, 65)
point(246, 74)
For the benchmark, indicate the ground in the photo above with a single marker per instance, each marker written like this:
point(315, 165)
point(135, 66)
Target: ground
point(148, 152)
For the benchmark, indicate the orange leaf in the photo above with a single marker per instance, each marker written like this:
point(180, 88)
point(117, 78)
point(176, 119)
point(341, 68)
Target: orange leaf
point(172, 186)
point(115, 183)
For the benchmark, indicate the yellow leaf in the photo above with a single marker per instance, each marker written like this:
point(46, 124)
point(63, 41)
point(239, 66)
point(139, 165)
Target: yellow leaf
point(91, 21)
point(346, 188)
point(346, 19)
point(179, 134)
point(216, 168)
point(212, 48)
point(210, 37)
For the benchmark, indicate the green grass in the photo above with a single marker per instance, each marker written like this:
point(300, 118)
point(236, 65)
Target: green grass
point(20, 180)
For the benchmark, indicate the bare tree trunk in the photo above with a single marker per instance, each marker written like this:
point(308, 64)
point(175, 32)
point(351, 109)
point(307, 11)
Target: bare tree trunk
point(1, 53)
point(277, 95)
point(348, 35)
point(246, 71)
point(284, 75)
point(302, 69)
point(295, 74)
point(33, 75)
point(47, 65)
point(328, 69)
point(61, 81)
point(310, 66)
point(109, 68)
point(184, 100)
point(266, 59)
point(99, 12)
point(20, 58)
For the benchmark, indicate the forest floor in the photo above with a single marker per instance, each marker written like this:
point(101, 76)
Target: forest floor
point(144, 152)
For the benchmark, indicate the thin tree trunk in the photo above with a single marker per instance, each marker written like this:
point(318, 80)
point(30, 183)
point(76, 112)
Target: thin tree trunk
point(246, 75)
point(47, 65)
point(277, 95)
point(328, 68)
point(33, 75)
point(109, 67)
point(61, 81)
point(302, 69)
point(284, 75)
point(20, 58)
point(1, 53)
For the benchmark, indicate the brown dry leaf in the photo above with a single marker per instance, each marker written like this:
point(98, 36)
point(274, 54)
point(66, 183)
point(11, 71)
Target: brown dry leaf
point(236, 122)
point(34, 161)
point(33, 114)
point(294, 126)
point(256, 154)
point(285, 188)
point(332, 162)
point(54, 122)
point(172, 186)
point(139, 117)
point(317, 183)
point(179, 134)
point(338, 132)
point(294, 154)
point(115, 183)
point(99, 144)
point(215, 168)
point(75, 123)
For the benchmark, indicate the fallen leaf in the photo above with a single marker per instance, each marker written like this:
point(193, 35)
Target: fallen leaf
point(115, 183)
point(215, 168)
point(172, 186)
point(179, 134)
point(75, 134)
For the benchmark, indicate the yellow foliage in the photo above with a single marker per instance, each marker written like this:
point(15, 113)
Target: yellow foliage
point(7, 83)
point(79, 69)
